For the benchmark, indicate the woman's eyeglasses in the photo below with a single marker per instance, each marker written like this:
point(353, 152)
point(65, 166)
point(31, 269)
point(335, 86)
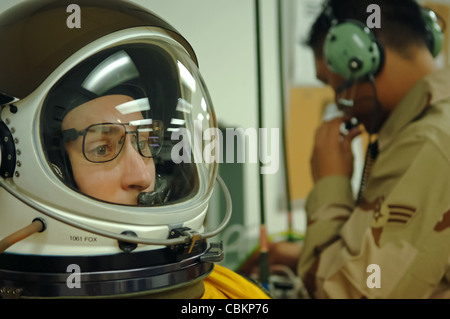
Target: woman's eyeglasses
point(103, 142)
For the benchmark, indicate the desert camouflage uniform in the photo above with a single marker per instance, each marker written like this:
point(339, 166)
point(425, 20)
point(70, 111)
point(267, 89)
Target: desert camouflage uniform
point(402, 223)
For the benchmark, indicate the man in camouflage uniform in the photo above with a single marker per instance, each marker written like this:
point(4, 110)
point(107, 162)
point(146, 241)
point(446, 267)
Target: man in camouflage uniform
point(394, 241)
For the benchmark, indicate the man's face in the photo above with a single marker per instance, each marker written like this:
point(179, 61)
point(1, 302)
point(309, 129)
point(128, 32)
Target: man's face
point(121, 179)
point(360, 94)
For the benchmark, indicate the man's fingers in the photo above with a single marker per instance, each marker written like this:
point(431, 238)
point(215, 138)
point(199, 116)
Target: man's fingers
point(348, 138)
point(329, 131)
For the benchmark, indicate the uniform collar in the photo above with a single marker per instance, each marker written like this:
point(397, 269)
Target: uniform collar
point(425, 93)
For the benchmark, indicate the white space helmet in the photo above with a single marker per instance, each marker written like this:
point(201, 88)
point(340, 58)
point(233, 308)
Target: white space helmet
point(102, 142)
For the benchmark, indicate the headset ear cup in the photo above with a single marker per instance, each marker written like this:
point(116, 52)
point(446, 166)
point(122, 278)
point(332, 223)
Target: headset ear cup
point(382, 57)
point(434, 34)
point(351, 50)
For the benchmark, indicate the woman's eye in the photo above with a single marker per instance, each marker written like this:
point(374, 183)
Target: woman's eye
point(101, 150)
point(142, 145)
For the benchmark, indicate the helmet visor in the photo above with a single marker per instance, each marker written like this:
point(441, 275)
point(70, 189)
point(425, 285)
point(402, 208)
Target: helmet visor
point(120, 126)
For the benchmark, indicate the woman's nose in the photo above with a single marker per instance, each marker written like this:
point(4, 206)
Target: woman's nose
point(138, 172)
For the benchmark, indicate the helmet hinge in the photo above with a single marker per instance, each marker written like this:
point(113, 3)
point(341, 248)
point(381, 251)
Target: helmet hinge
point(187, 247)
point(7, 152)
point(214, 254)
point(10, 293)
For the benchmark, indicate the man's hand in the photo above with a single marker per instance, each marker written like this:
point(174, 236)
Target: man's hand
point(332, 153)
point(280, 253)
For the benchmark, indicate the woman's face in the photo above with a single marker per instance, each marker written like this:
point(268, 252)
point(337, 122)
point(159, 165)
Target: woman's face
point(121, 179)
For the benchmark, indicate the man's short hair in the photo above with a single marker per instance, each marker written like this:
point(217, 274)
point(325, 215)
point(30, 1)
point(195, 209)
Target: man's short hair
point(402, 24)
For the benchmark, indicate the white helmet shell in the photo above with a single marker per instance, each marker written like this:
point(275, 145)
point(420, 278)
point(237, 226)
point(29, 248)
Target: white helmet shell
point(123, 87)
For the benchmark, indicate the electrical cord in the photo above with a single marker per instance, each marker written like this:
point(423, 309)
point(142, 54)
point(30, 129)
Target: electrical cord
point(37, 226)
point(372, 148)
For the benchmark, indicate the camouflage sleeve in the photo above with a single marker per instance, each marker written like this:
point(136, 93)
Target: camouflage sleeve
point(328, 206)
point(395, 243)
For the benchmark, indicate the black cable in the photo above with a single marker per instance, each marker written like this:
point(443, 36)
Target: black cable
point(372, 148)
point(377, 108)
point(264, 253)
point(290, 236)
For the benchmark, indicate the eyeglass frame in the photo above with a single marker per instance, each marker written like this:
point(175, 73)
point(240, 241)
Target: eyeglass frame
point(72, 135)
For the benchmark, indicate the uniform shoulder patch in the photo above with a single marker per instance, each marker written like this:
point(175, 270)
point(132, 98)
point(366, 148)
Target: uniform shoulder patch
point(444, 223)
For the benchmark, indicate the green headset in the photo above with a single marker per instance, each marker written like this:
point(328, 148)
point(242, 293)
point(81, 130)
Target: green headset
point(352, 50)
